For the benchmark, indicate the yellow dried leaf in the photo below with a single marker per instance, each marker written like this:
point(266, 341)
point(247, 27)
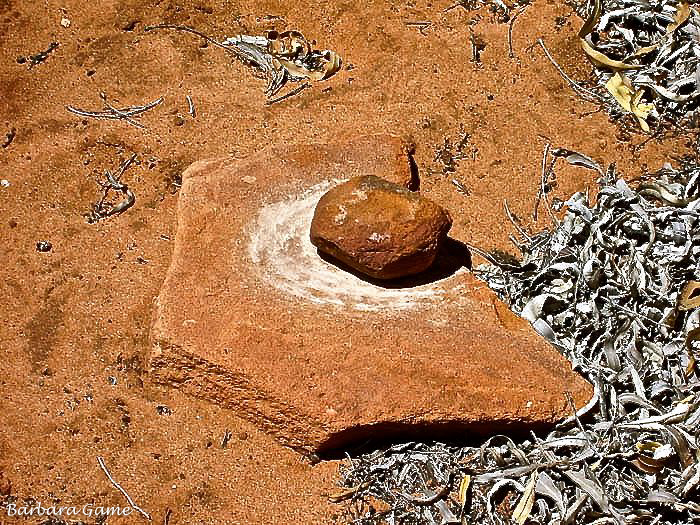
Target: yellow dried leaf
point(648, 446)
point(644, 125)
point(603, 60)
point(463, 489)
point(690, 369)
point(639, 108)
point(331, 65)
point(527, 500)
point(629, 99)
point(682, 14)
point(690, 296)
point(592, 20)
point(620, 89)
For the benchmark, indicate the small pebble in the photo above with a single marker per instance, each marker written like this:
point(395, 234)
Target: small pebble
point(65, 22)
point(5, 183)
point(43, 246)
point(379, 228)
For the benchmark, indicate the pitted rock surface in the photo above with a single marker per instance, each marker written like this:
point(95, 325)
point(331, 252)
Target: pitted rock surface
point(444, 358)
point(379, 228)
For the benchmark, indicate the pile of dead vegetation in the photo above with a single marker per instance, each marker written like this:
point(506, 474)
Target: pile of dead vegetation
point(614, 285)
point(646, 57)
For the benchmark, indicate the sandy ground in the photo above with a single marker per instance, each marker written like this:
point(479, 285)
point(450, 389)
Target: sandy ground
point(75, 321)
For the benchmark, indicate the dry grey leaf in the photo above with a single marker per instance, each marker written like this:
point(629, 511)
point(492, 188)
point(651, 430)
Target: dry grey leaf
point(604, 286)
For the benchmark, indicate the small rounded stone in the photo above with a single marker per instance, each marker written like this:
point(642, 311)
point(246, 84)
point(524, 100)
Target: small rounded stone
point(379, 228)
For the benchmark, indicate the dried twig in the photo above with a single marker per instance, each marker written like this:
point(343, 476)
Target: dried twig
point(544, 186)
point(120, 489)
point(520, 11)
point(289, 94)
point(420, 25)
point(110, 112)
point(113, 182)
point(190, 107)
point(187, 29)
point(515, 223)
point(461, 188)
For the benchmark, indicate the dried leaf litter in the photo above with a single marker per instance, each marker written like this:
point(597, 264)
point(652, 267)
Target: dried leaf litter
point(646, 57)
point(282, 58)
point(615, 287)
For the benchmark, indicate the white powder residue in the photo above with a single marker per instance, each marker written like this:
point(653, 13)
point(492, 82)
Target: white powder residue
point(283, 256)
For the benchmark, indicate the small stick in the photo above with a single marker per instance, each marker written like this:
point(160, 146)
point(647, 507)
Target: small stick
point(189, 30)
point(35, 60)
point(461, 188)
point(572, 405)
point(542, 193)
point(115, 113)
point(190, 107)
point(119, 113)
point(520, 11)
point(351, 492)
point(421, 25)
point(289, 94)
point(483, 254)
point(135, 110)
point(632, 312)
point(120, 489)
point(515, 224)
point(444, 491)
point(475, 51)
point(114, 183)
point(542, 176)
point(93, 114)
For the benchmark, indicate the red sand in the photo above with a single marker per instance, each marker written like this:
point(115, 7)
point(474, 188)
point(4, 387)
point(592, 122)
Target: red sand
point(80, 314)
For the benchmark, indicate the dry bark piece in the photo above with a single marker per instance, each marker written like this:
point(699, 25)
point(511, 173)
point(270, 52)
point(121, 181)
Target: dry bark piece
point(379, 228)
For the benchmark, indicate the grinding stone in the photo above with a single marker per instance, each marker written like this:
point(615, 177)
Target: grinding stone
point(249, 317)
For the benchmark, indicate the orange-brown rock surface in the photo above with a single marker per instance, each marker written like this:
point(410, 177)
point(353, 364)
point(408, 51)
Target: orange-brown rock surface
point(250, 318)
point(379, 228)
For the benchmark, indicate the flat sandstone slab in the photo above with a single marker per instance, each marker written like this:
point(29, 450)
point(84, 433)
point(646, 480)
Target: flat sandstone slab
point(251, 318)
